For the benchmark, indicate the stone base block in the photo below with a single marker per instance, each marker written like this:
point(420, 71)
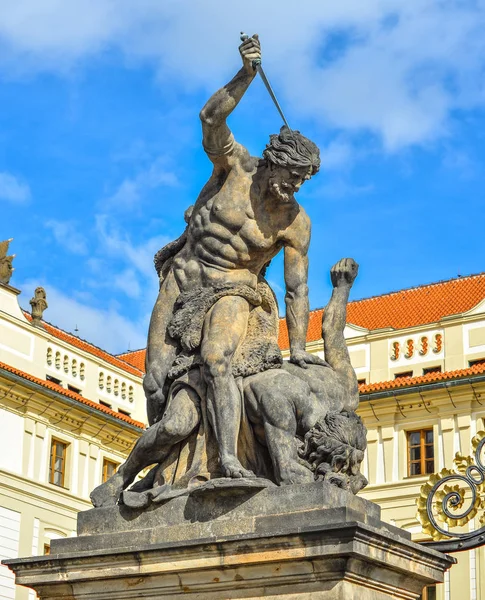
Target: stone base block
point(297, 542)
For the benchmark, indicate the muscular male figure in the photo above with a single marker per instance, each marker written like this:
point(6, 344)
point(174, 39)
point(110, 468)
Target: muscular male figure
point(244, 215)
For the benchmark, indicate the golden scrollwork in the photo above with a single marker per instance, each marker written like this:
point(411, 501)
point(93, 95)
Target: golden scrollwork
point(452, 498)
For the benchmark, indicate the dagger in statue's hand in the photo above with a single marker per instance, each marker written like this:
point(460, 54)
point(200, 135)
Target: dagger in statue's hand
point(257, 66)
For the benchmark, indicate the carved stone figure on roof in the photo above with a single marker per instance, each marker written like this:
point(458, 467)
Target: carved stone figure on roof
point(6, 268)
point(224, 409)
point(38, 304)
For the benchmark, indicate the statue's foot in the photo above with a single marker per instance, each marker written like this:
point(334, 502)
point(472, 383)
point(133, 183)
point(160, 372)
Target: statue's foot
point(296, 473)
point(108, 493)
point(344, 272)
point(231, 467)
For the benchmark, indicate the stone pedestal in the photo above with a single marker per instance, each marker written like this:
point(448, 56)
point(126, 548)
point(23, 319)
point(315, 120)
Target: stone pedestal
point(297, 542)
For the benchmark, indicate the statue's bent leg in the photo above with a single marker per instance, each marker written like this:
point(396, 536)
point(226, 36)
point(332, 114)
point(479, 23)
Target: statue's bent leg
point(280, 403)
point(224, 330)
point(161, 349)
point(178, 422)
point(343, 275)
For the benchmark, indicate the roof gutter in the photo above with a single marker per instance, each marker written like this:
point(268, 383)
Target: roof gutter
point(73, 403)
point(428, 387)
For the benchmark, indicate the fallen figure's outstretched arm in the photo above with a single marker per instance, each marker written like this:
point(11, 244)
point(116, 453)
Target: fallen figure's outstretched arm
point(337, 355)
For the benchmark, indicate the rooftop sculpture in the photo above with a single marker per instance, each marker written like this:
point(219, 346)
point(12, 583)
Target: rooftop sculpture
point(39, 305)
point(6, 268)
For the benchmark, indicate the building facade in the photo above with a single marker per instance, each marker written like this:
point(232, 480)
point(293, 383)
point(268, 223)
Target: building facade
point(70, 413)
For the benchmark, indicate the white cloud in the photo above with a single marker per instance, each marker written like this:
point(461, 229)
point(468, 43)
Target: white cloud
point(103, 326)
point(131, 191)
point(126, 196)
point(340, 188)
point(127, 282)
point(13, 189)
point(403, 81)
point(119, 245)
point(67, 235)
point(407, 67)
point(336, 155)
point(117, 264)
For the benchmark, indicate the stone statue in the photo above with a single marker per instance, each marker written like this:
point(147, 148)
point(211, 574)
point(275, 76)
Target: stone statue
point(224, 409)
point(6, 268)
point(245, 214)
point(299, 423)
point(38, 304)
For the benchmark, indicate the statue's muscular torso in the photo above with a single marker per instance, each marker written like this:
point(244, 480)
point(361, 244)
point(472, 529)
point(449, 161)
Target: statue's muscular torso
point(235, 229)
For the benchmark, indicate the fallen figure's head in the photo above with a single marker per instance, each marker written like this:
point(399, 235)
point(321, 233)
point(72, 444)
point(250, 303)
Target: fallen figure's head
point(334, 448)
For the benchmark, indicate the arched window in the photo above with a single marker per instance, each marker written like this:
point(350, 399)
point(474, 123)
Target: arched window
point(101, 380)
point(82, 371)
point(58, 360)
point(74, 367)
point(396, 351)
point(123, 390)
point(409, 348)
point(131, 393)
point(108, 384)
point(117, 387)
point(66, 363)
point(49, 356)
point(423, 346)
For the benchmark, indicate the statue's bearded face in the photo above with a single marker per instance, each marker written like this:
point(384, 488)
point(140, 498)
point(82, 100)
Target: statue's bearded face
point(284, 182)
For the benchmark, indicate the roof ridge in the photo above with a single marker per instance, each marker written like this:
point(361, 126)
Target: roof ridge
point(408, 289)
point(128, 352)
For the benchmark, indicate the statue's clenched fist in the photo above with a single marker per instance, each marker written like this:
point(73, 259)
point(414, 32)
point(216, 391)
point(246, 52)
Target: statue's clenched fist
point(250, 51)
point(344, 272)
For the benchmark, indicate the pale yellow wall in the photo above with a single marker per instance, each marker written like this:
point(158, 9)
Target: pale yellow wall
point(40, 510)
point(455, 358)
point(463, 339)
point(454, 421)
point(26, 348)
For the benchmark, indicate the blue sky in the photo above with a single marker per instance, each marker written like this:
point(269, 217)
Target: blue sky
point(100, 141)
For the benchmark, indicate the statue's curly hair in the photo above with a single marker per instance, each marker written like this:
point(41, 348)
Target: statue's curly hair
point(289, 148)
point(334, 449)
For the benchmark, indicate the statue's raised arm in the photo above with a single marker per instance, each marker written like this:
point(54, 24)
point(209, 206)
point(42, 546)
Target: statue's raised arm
point(218, 140)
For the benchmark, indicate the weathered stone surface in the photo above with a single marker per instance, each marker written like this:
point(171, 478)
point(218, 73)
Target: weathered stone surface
point(6, 267)
point(219, 514)
point(281, 543)
point(39, 305)
point(220, 401)
point(304, 417)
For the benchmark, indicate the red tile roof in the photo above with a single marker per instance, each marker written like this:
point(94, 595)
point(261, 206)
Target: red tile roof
point(60, 390)
point(90, 348)
point(135, 358)
point(406, 308)
point(404, 382)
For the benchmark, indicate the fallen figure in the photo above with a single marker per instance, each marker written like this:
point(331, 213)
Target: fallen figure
point(299, 424)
